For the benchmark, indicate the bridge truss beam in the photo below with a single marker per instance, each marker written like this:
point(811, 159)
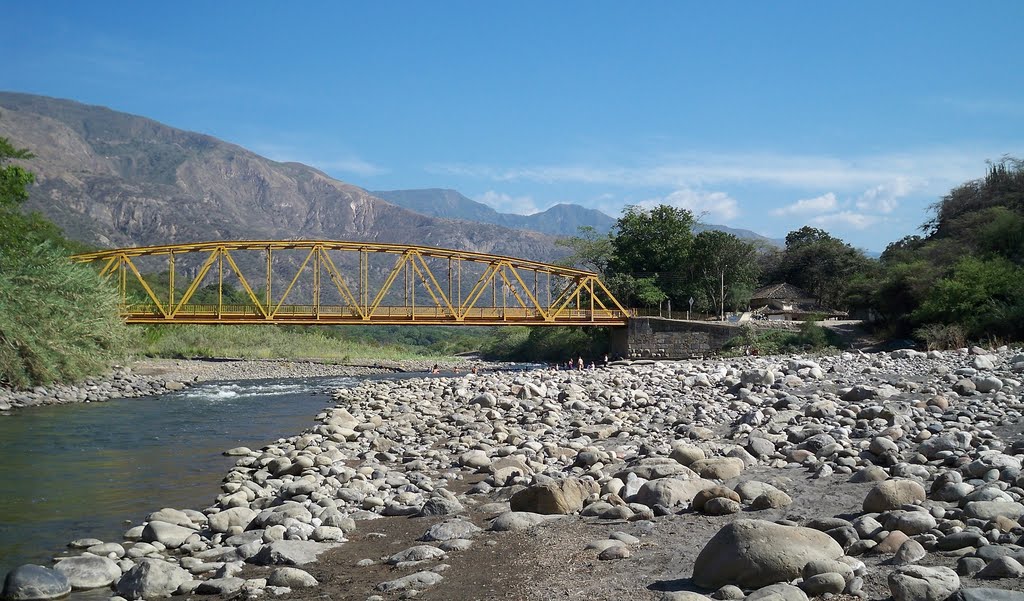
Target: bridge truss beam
point(423, 286)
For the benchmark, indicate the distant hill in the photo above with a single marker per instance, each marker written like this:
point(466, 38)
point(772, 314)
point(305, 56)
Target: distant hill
point(559, 220)
point(740, 233)
point(114, 179)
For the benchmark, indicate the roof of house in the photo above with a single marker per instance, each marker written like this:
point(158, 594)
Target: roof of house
point(781, 291)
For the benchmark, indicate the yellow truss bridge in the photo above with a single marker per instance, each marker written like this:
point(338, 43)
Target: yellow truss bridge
point(366, 283)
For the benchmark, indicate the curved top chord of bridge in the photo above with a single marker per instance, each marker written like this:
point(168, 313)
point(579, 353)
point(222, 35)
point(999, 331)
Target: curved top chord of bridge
point(367, 283)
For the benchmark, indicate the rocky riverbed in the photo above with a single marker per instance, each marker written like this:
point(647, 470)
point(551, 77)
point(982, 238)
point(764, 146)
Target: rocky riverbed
point(855, 476)
point(149, 377)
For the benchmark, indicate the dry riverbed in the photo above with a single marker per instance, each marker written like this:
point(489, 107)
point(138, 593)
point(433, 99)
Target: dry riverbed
point(784, 478)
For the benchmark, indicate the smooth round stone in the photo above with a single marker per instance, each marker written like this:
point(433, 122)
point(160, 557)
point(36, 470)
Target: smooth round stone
point(601, 544)
point(1002, 567)
point(88, 571)
point(619, 551)
point(968, 566)
point(829, 582)
point(31, 582)
point(626, 538)
point(909, 552)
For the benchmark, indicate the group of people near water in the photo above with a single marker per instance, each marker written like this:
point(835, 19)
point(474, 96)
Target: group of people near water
point(579, 364)
point(437, 369)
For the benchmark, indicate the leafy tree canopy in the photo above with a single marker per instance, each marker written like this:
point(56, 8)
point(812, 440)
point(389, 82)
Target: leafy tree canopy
point(14, 179)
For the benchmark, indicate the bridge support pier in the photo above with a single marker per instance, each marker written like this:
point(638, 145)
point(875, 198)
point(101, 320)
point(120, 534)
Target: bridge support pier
point(659, 338)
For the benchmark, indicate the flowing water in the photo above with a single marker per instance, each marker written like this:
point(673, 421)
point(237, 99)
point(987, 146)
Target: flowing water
point(82, 470)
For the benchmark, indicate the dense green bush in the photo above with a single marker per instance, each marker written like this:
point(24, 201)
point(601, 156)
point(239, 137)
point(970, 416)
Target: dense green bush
point(811, 337)
point(548, 344)
point(58, 320)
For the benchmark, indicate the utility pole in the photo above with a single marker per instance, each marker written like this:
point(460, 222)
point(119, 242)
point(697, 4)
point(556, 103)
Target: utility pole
point(722, 306)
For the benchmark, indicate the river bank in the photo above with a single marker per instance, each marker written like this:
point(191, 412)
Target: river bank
point(853, 476)
point(153, 377)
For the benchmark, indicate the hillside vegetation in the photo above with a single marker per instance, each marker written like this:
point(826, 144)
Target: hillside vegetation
point(58, 320)
point(963, 279)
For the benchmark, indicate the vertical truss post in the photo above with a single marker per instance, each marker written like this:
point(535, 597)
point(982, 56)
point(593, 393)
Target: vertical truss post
point(170, 280)
point(123, 277)
point(362, 279)
point(220, 283)
point(270, 280)
point(316, 281)
point(591, 299)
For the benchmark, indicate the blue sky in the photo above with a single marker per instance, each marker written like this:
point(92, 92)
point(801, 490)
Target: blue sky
point(849, 116)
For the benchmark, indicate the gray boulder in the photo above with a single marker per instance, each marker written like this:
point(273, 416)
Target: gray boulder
point(920, 583)
point(670, 491)
point(29, 582)
point(236, 516)
point(756, 553)
point(417, 553)
point(518, 520)
point(450, 530)
point(291, 578)
point(290, 552)
point(88, 571)
point(893, 494)
point(418, 580)
point(558, 497)
point(228, 585)
point(151, 578)
point(170, 535)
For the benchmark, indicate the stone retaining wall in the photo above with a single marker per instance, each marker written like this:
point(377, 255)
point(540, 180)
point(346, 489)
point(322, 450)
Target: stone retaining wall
point(655, 337)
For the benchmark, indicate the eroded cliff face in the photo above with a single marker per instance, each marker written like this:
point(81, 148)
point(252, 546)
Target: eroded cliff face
point(113, 179)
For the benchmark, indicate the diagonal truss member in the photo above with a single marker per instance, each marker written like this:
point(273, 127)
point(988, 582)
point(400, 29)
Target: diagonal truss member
point(558, 295)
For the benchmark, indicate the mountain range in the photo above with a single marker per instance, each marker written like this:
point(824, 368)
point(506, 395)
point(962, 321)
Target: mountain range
point(113, 179)
point(560, 220)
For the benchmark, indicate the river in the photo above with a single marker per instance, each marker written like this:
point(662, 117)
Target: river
point(82, 470)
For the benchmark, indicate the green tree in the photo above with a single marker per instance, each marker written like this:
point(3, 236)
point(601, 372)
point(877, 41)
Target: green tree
point(986, 296)
point(722, 262)
point(14, 179)
point(636, 291)
point(590, 250)
point(821, 264)
point(655, 241)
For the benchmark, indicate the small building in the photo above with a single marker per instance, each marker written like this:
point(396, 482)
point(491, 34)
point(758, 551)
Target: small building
point(786, 302)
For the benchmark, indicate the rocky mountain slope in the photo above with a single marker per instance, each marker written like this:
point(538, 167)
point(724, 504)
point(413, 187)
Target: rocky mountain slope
point(113, 179)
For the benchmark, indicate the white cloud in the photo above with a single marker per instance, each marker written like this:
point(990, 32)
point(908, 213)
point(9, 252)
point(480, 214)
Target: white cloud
point(505, 203)
point(717, 205)
point(935, 169)
point(857, 221)
point(884, 198)
point(343, 162)
point(349, 164)
point(819, 204)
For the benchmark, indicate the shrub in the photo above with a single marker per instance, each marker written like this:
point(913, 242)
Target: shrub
point(58, 320)
point(941, 337)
